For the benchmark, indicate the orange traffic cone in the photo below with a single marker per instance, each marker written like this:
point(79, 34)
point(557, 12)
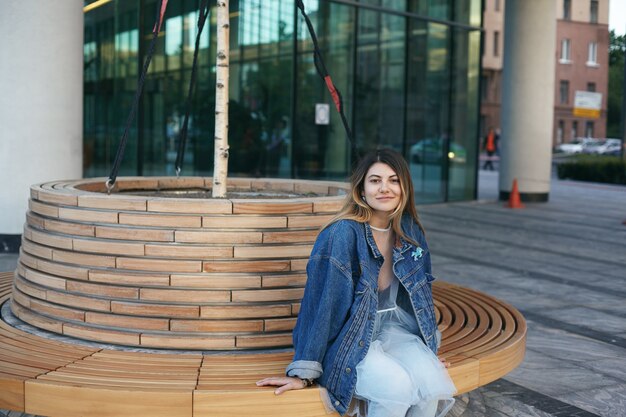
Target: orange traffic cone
point(514, 199)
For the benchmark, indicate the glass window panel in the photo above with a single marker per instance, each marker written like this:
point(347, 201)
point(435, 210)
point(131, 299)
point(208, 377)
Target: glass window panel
point(593, 11)
point(261, 73)
point(461, 149)
point(387, 4)
point(428, 107)
point(322, 151)
point(111, 45)
point(380, 81)
point(564, 91)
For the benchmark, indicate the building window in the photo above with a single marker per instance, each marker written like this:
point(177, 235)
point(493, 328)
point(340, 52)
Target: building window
point(559, 132)
point(593, 11)
point(564, 90)
point(567, 9)
point(497, 5)
point(574, 129)
point(589, 129)
point(565, 50)
point(591, 87)
point(484, 87)
point(496, 43)
point(592, 58)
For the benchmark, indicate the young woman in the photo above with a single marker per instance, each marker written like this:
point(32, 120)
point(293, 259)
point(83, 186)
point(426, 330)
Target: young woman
point(366, 330)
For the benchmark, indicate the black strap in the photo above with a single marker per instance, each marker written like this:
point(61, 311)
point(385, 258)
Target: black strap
point(110, 183)
point(323, 73)
point(180, 155)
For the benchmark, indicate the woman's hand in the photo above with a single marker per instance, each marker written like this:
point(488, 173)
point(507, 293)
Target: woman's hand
point(284, 383)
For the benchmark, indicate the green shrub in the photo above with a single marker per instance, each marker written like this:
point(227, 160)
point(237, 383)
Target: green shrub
point(594, 168)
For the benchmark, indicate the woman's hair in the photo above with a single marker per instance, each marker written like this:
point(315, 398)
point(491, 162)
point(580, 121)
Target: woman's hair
point(356, 209)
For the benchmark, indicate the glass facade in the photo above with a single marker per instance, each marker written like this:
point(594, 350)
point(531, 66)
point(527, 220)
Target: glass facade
point(408, 72)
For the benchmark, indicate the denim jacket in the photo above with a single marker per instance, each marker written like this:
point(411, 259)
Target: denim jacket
point(336, 320)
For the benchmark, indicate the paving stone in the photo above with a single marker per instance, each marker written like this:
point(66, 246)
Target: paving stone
point(612, 367)
point(557, 343)
point(550, 376)
point(606, 402)
point(590, 317)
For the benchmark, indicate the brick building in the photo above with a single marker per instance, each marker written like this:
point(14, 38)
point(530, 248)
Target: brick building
point(581, 65)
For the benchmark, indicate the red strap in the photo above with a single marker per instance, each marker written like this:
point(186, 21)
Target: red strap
point(163, 7)
point(333, 92)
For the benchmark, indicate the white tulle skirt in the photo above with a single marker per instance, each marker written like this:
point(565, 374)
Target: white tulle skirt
point(400, 376)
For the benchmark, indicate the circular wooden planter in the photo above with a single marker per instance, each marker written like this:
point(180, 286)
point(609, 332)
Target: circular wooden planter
point(182, 273)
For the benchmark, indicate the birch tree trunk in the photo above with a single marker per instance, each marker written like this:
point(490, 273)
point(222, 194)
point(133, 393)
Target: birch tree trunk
point(220, 168)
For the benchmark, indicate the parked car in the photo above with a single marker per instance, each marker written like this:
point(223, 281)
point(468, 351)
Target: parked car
point(576, 146)
point(429, 151)
point(604, 147)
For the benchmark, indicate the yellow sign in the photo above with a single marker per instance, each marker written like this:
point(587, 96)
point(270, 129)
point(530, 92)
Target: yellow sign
point(587, 113)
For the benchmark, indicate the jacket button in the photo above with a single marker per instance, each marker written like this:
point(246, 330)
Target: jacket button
point(336, 402)
point(348, 370)
point(361, 343)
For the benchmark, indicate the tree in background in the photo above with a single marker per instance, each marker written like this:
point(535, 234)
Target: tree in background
point(617, 51)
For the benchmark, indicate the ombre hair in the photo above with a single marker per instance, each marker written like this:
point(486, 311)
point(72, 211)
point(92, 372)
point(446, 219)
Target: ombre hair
point(356, 209)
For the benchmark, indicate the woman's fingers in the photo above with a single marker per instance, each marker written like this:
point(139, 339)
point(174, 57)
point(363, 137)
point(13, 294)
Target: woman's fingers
point(283, 383)
point(291, 385)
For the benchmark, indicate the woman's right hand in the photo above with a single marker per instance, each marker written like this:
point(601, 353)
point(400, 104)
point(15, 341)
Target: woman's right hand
point(284, 383)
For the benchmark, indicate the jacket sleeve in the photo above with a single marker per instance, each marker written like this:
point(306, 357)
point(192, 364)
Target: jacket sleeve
point(325, 307)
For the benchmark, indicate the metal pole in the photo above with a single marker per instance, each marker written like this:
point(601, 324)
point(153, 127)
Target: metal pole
point(623, 123)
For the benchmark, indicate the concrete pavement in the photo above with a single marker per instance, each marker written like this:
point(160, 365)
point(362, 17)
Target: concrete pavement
point(563, 265)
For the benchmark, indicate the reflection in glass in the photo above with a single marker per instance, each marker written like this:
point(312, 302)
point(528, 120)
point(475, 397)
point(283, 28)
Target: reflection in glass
point(407, 83)
point(461, 178)
point(322, 151)
point(428, 104)
point(380, 77)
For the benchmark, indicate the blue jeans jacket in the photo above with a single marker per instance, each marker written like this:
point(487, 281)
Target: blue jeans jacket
point(336, 320)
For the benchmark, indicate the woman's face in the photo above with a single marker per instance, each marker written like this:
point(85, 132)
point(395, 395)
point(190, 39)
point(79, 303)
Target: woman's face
point(381, 188)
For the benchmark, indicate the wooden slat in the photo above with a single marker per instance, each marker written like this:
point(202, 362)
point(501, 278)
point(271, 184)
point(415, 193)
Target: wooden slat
point(216, 326)
point(233, 281)
point(217, 237)
point(50, 398)
point(189, 251)
point(88, 215)
point(271, 251)
point(159, 220)
point(244, 222)
point(134, 233)
point(187, 205)
point(247, 266)
point(113, 202)
point(185, 296)
point(130, 322)
point(154, 310)
point(242, 206)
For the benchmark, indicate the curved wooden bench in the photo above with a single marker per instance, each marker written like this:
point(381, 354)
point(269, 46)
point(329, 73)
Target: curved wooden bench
point(483, 339)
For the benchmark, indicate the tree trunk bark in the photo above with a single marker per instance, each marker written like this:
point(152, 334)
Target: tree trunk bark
point(220, 168)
